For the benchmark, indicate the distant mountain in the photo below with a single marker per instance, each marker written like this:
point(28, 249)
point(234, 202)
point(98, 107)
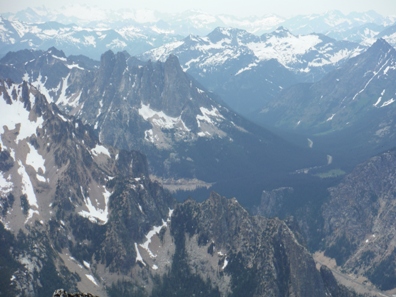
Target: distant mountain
point(76, 40)
point(389, 34)
point(351, 107)
point(246, 70)
point(334, 21)
point(154, 107)
point(198, 22)
point(365, 34)
point(79, 29)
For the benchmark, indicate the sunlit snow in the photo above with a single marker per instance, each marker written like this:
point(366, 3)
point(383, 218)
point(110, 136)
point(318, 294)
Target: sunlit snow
point(27, 186)
point(386, 103)
point(92, 279)
point(94, 214)
point(34, 159)
point(207, 115)
point(100, 149)
point(5, 185)
point(15, 114)
point(331, 117)
point(160, 119)
point(225, 264)
point(149, 235)
point(138, 256)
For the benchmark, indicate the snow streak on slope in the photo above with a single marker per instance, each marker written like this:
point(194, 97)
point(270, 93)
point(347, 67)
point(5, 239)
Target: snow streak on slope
point(96, 214)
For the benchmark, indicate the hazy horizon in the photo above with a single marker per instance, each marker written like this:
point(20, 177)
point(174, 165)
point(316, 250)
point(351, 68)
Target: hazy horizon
point(284, 8)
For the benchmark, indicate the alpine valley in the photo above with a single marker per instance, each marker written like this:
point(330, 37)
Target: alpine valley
point(150, 154)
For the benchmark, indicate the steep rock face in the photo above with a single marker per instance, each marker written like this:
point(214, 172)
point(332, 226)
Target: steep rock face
point(359, 221)
point(236, 254)
point(69, 205)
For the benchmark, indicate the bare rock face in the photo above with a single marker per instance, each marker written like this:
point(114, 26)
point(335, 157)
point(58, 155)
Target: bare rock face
point(360, 221)
point(238, 254)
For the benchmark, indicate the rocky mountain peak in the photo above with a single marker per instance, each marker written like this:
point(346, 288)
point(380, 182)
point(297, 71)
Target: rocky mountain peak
point(281, 32)
point(54, 51)
point(381, 46)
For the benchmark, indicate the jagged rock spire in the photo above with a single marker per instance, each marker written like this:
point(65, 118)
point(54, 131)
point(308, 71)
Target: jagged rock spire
point(63, 293)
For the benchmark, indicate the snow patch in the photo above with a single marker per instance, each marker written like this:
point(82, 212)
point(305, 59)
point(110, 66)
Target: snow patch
point(27, 187)
point(100, 149)
point(14, 114)
point(138, 256)
point(224, 264)
point(160, 119)
point(331, 117)
point(5, 185)
point(152, 232)
point(388, 102)
point(94, 214)
point(35, 160)
point(207, 115)
point(92, 279)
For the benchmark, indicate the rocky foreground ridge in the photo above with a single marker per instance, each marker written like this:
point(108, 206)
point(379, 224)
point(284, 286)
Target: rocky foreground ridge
point(63, 293)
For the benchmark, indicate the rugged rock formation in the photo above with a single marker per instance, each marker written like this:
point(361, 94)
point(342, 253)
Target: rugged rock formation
point(63, 293)
point(360, 221)
point(66, 200)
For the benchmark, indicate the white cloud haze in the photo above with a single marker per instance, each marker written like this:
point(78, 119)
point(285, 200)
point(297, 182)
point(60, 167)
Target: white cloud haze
point(285, 8)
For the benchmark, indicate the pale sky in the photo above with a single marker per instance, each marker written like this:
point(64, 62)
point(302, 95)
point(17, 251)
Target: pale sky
point(285, 8)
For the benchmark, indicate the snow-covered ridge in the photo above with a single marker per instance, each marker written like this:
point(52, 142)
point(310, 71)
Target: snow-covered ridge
point(225, 45)
point(90, 40)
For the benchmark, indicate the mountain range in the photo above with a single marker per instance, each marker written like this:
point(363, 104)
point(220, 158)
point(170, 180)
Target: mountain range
point(349, 111)
point(198, 22)
point(189, 137)
point(111, 164)
point(142, 30)
point(256, 68)
point(77, 214)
